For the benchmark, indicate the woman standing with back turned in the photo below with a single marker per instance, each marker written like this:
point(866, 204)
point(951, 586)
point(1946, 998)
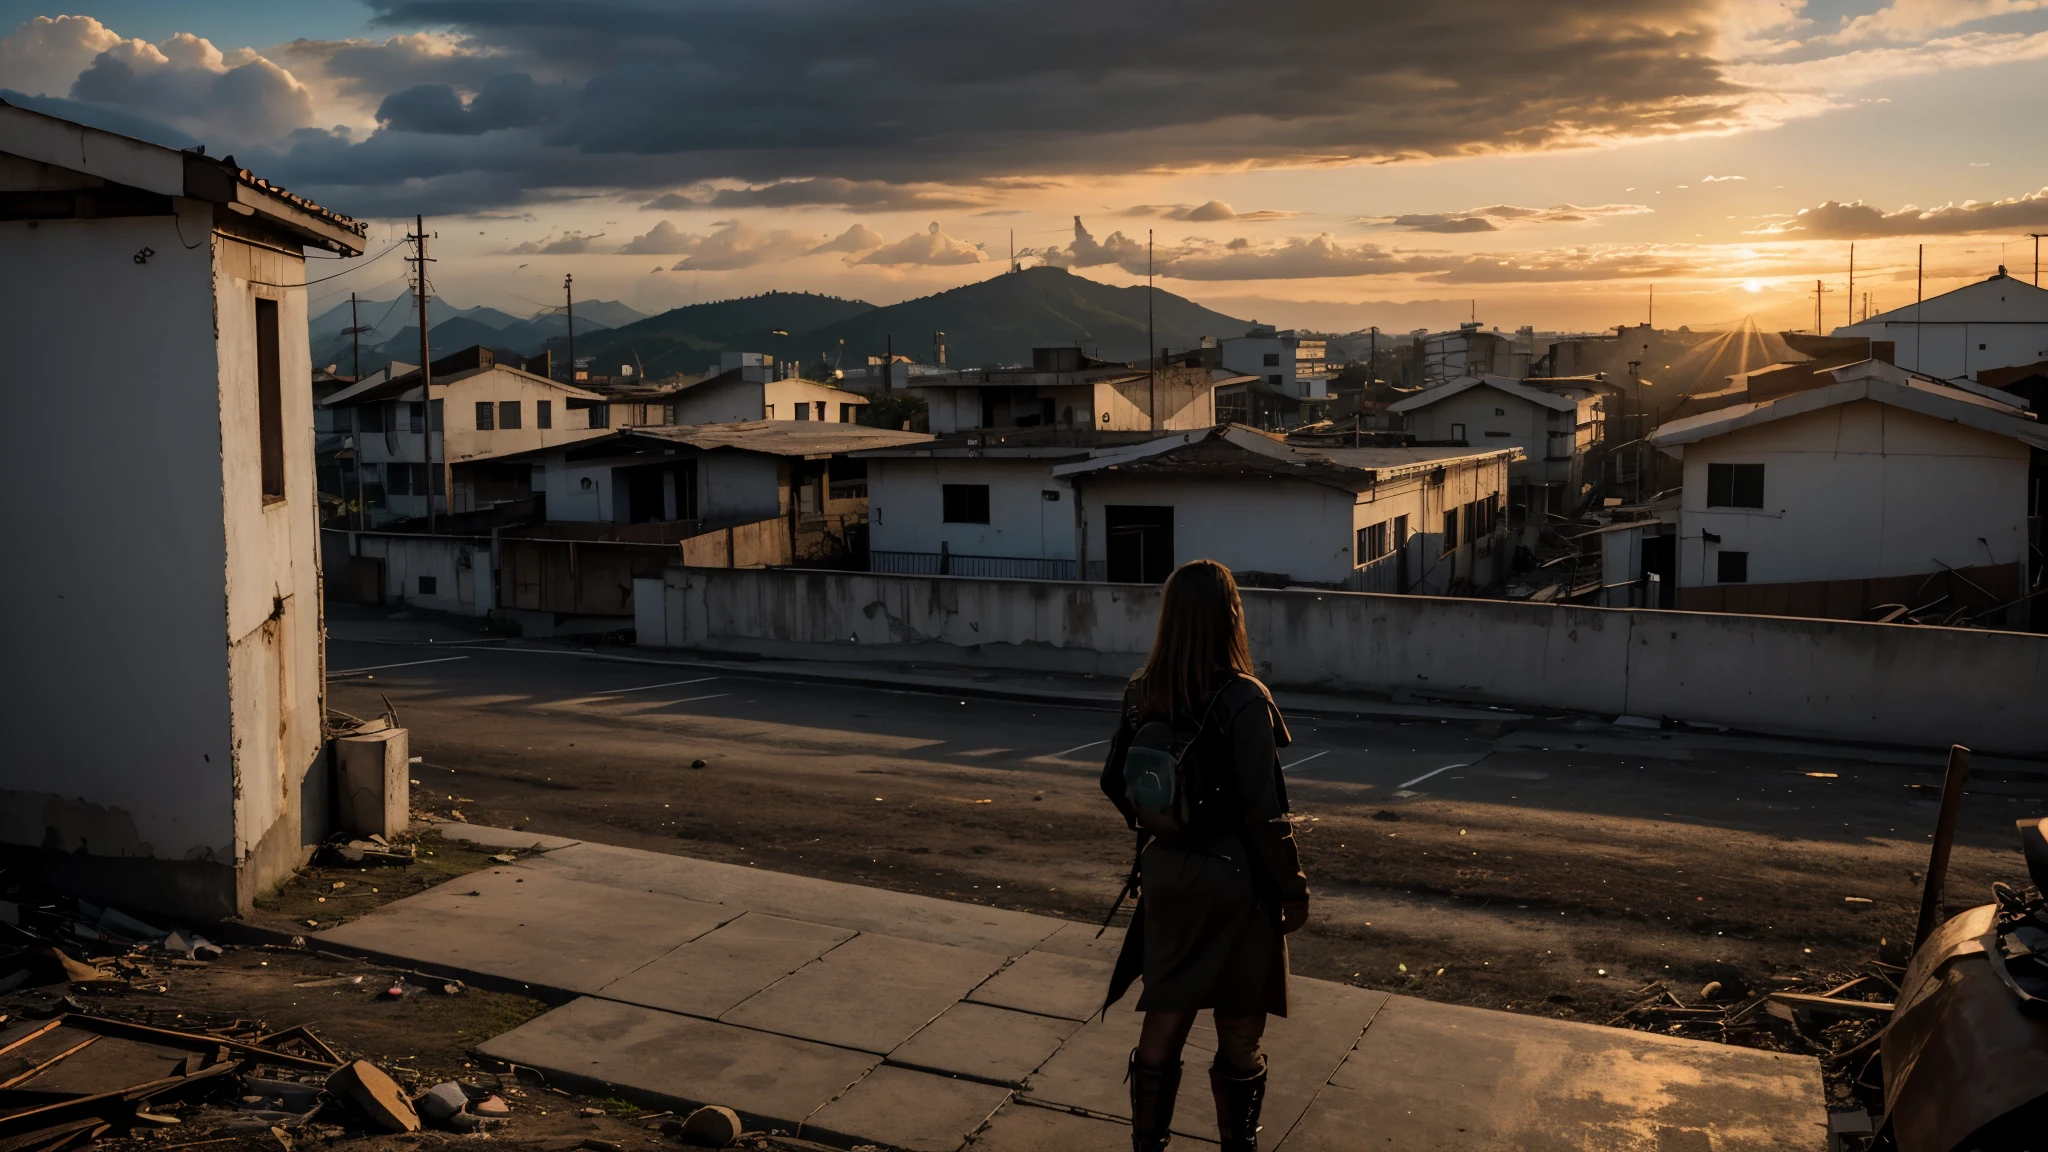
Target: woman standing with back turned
point(1220, 884)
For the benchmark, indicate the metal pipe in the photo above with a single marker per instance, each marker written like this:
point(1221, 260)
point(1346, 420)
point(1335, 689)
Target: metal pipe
point(1944, 839)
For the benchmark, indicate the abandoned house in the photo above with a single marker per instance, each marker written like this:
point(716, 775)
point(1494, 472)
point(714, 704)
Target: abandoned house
point(157, 300)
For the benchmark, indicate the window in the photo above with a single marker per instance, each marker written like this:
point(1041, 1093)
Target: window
point(398, 478)
point(1500, 434)
point(428, 585)
point(600, 415)
point(1731, 567)
point(270, 400)
point(846, 413)
point(1372, 543)
point(483, 415)
point(370, 418)
point(801, 411)
point(1450, 541)
point(1471, 522)
point(1735, 486)
point(416, 416)
point(1500, 411)
point(964, 503)
point(820, 409)
point(508, 414)
point(1457, 431)
point(1274, 380)
point(1272, 359)
point(543, 413)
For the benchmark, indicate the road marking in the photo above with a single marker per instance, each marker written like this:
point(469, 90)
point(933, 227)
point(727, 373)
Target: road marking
point(649, 687)
point(381, 667)
point(1075, 748)
point(1432, 772)
point(693, 699)
point(1303, 760)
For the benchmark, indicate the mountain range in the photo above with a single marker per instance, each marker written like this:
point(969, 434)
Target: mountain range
point(392, 329)
point(996, 321)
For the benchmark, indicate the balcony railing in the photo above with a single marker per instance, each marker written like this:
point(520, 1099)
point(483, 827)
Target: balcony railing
point(959, 564)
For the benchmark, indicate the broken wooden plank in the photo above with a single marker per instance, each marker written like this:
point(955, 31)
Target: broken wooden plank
point(1806, 1002)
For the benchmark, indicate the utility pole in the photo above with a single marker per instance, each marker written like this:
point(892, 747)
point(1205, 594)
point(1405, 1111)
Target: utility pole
point(1850, 303)
point(1151, 341)
point(1817, 290)
point(1919, 294)
point(2037, 256)
point(1651, 323)
point(420, 262)
point(355, 338)
point(569, 310)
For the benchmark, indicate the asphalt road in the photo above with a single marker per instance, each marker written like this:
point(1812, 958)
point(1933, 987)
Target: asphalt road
point(1551, 865)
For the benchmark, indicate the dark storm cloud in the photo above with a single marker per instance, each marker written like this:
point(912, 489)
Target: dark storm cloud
point(508, 100)
point(663, 95)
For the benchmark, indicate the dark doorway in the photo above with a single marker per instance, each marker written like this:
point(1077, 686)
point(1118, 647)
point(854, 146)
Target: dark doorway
point(1660, 559)
point(1140, 542)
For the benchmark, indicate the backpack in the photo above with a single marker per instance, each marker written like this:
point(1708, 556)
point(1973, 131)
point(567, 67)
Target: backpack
point(1171, 784)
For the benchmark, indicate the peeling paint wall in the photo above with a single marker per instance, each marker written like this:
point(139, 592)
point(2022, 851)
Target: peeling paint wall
point(1826, 679)
point(116, 705)
point(163, 698)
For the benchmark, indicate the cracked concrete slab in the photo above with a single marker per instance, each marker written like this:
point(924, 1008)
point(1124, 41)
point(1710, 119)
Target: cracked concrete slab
point(984, 1043)
point(872, 992)
point(716, 972)
point(913, 1111)
point(521, 925)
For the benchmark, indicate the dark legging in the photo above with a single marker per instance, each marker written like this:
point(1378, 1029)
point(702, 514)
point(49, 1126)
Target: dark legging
point(1237, 1039)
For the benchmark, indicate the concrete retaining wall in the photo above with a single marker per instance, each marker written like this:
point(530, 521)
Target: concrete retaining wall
point(1827, 679)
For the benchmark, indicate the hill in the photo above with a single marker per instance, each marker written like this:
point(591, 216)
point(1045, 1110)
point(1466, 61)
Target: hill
point(997, 321)
point(689, 338)
point(1001, 319)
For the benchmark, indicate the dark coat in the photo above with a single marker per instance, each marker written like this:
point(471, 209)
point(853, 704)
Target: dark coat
point(1206, 931)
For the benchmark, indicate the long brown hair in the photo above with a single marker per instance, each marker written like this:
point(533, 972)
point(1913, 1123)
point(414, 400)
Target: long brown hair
point(1201, 634)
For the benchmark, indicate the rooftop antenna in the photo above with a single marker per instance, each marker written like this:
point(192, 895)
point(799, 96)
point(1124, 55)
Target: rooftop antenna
point(1851, 302)
point(2037, 256)
point(1013, 250)
point(1652, 321)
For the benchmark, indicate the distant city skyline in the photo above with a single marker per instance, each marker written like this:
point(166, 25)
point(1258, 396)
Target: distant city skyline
point(1306, 164)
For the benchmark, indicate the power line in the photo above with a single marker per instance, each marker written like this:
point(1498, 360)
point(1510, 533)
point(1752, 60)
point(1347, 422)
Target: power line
point(337, 275)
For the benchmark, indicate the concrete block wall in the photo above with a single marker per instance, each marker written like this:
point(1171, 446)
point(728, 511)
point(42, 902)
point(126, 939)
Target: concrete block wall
point(1826, 679)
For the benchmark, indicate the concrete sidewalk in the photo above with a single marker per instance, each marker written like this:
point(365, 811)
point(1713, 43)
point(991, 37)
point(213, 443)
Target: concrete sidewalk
point(858, 1015)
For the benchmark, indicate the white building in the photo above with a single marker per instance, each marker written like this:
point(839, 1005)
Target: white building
point(710, 474)
point(1283, 363)
point(1064, 389)
point(483, 410)
point(1884, 487)
point(1473, 351)
point(1555, 423)
point(1371, 519)
point(1995, 323)
point(165, 726)
point(757, 392)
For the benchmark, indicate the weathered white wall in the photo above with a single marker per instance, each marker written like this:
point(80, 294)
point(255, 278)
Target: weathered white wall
point(465, 441)
point(273, 566)
point(163, 617)
point(905, 511)
point(1827, 679)
point(116, 715)
point(1855, 491)
point(460, 567)
point(1260, 525)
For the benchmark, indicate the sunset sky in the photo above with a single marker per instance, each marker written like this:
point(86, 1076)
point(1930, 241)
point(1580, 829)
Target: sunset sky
point(1320, 164)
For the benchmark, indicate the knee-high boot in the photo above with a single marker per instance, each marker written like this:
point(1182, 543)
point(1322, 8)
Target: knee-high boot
point(1239, 1098)
point(1152, 1095)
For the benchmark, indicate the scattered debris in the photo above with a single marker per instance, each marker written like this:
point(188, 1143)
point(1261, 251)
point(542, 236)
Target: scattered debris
point(366, 1086)
point(711, 1126)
